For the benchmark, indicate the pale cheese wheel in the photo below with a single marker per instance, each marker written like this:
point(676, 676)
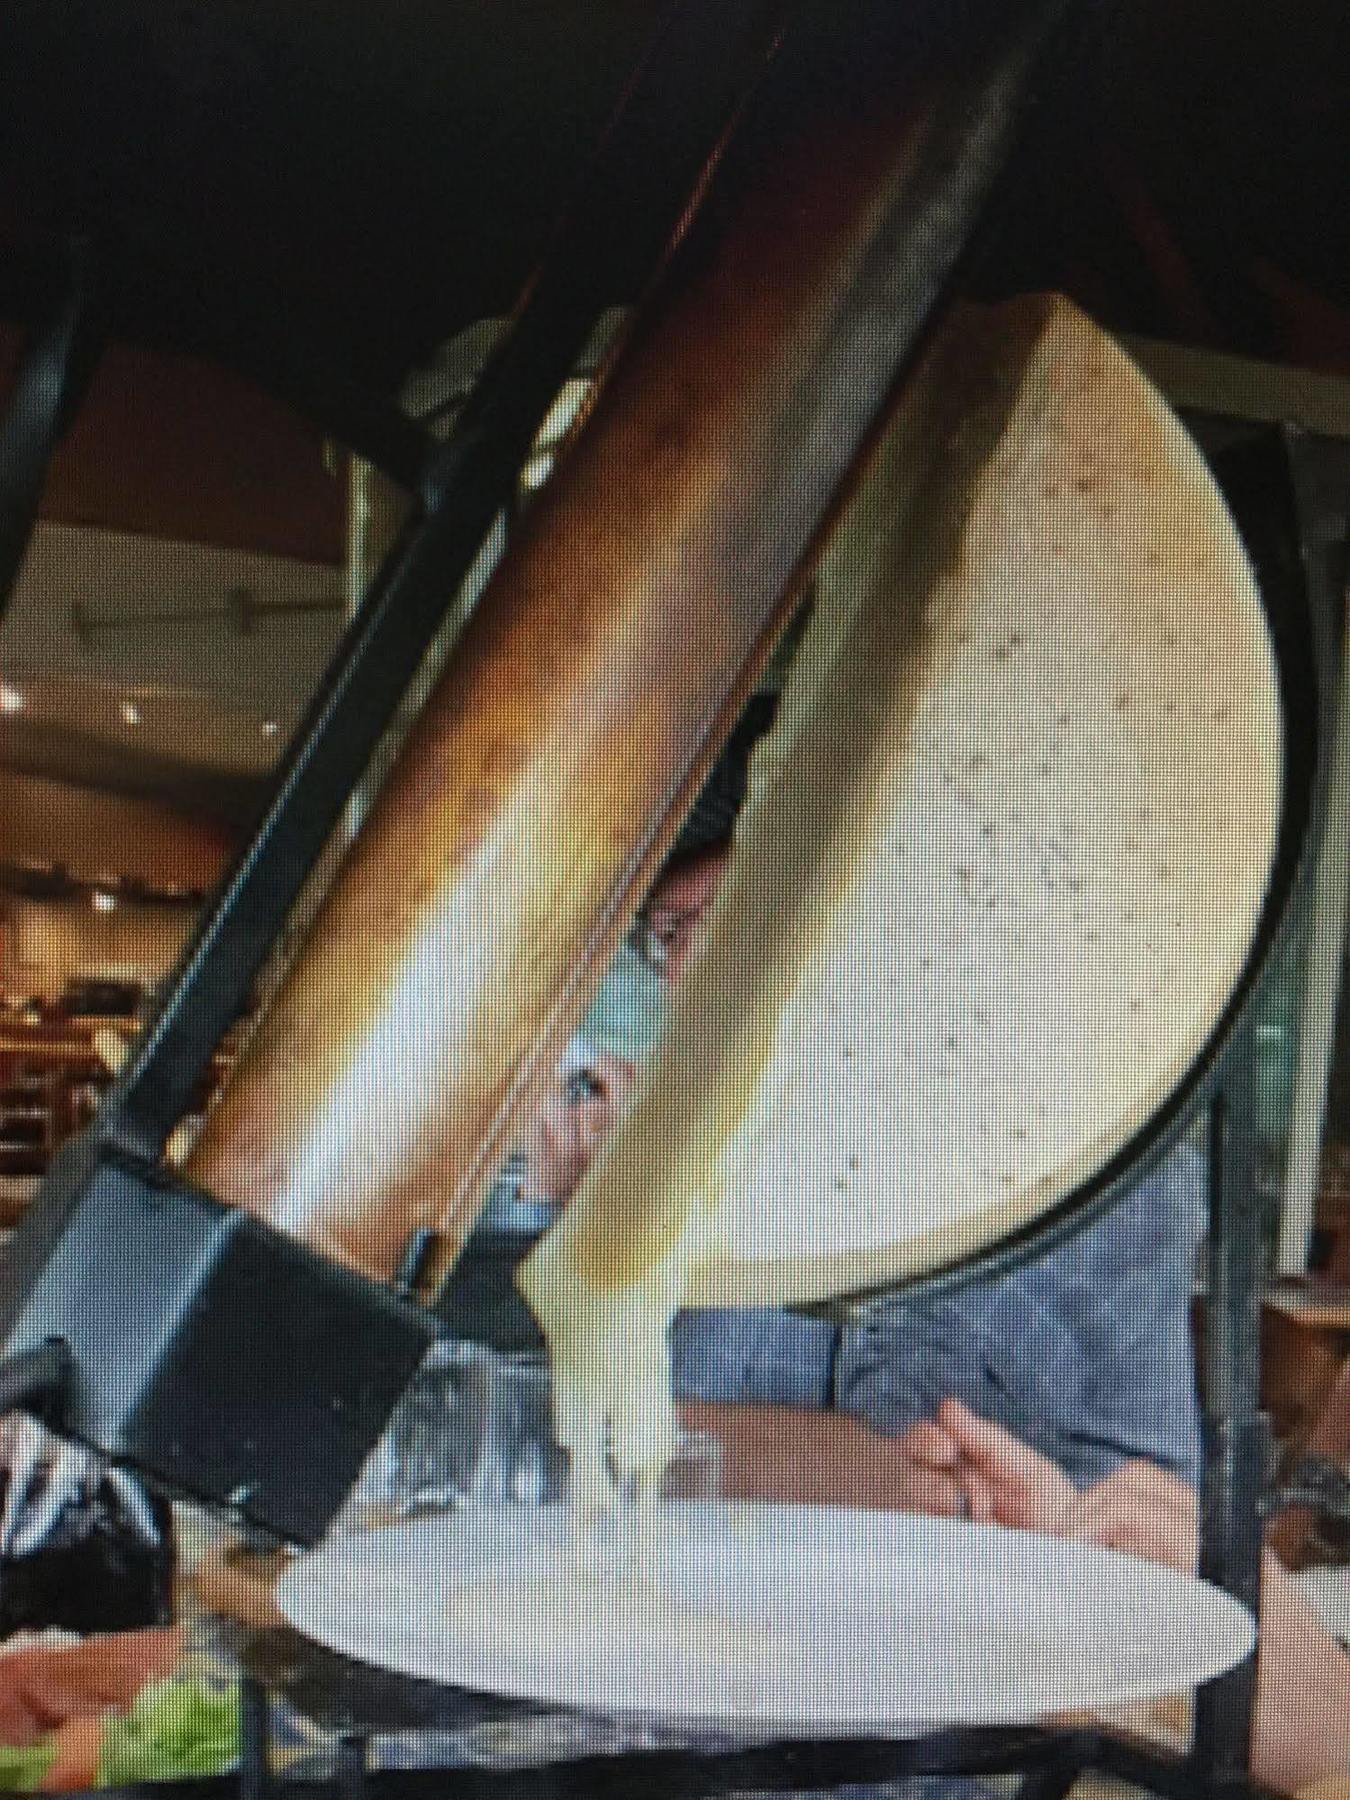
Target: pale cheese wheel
point(1000, 867)
point(1047, 649)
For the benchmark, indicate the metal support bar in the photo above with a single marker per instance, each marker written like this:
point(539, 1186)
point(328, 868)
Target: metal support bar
point(1055, 1778)
point(1237, 1441)
point(351, 1766)
point(472, 476)
point(255, 1741)
point(780, 1768)
point(1156, 1772)
point(1267, 482)
point(674, 1774)
point(58, 362)
point(1322, 548)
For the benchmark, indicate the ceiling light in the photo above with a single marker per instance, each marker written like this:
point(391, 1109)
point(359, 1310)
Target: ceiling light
point(131, 713)
point(102, 901)
point(12, 699)
point(270, 728)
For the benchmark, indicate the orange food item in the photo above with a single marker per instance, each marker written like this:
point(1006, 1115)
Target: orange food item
point(43, 1687)
point(75, 1765)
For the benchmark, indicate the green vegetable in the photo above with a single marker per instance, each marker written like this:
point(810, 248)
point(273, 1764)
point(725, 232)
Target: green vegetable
point(182, 1727)
point(23, 1766)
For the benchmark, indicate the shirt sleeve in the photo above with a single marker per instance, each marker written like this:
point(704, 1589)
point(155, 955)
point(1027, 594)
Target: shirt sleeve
point(758, 1355)
point(1084, 1352)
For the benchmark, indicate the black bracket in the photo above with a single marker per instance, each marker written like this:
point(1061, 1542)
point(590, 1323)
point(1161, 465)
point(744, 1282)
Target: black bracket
point(168, 1306)
point(59, 358)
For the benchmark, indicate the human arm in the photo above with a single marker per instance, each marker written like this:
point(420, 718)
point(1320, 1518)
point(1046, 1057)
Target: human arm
point(814, 1457)
point(1301, 1728)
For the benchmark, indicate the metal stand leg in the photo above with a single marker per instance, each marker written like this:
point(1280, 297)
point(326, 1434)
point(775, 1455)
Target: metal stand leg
point(351, 1767)
point(1237, 1448)
point(1053, 1781)
point(255, 1741)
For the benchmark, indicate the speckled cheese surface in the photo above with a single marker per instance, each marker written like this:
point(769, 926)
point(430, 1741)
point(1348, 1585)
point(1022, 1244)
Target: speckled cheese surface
point(1048, 755)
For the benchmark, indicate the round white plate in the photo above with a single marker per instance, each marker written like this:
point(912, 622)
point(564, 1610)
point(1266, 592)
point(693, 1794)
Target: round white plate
point(780, 1618)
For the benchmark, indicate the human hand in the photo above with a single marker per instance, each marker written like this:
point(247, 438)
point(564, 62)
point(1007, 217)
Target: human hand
point(1004, 1480)
point(574, 1120)
point(1140, 1509)
point(673, 914)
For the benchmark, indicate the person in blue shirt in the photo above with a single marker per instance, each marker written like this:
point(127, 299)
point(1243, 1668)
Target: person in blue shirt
point(1083, 1353)
point(1059, 1397)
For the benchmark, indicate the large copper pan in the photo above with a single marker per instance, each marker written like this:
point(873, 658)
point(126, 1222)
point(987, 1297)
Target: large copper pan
point(614, 647)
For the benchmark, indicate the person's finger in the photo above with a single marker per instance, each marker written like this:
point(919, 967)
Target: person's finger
point(1145, 1490)
point(994, 1451)
point(1145, 1478)
point(1020, 1486)
point(981, 1441)
point(929, 1444)
point(982, 1506)
point(1133, 1512)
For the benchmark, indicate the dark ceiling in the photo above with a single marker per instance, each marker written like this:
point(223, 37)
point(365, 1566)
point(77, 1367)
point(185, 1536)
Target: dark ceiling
point(1188, 178)
point(386, 173)
point(388, 170)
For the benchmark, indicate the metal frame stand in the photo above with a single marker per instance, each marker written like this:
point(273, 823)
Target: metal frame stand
point(462, 485)
point(60, 356)
point(1236, 1477)
point(1237, 1439)
point(1237, 1434)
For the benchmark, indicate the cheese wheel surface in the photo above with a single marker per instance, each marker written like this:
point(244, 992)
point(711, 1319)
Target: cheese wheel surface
point(1022, 802)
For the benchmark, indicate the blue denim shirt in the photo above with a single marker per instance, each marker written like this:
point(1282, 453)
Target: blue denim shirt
point(1085, 1352)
